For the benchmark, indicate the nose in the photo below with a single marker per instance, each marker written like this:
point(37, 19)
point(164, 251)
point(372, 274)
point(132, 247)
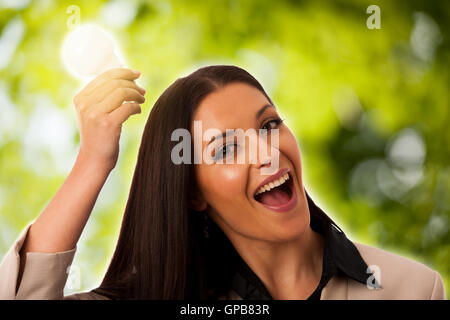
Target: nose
point(268, 156)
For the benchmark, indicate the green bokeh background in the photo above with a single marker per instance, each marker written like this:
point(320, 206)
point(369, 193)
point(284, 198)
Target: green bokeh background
point(370, 108)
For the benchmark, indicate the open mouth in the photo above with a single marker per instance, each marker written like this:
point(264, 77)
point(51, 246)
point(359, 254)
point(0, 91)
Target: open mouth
point(278, 194)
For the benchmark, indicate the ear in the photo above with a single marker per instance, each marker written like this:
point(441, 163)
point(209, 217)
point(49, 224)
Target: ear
point(197, 202)
point(198, 205)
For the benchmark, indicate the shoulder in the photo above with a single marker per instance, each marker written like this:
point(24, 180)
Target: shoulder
point(391, 263)
point(400, 277)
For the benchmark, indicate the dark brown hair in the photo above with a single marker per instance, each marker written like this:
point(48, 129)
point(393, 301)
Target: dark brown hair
point(161, 251)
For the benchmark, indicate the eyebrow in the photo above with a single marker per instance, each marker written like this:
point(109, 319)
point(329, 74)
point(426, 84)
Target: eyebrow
point(257, 116)
point(261, 111)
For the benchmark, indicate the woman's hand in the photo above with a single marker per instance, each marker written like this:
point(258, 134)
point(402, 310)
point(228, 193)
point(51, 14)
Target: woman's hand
point(101, 111)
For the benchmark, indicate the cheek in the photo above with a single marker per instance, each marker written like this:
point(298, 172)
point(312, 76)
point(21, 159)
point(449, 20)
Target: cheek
point(225, 183)
point(289, 147)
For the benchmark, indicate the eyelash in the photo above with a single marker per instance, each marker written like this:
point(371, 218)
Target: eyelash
point(277, 121)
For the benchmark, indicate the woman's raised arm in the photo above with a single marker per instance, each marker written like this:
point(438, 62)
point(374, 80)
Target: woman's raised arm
point(101, 111)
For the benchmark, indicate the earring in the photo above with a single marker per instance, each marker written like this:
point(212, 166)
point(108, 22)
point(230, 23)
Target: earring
point(205, 228)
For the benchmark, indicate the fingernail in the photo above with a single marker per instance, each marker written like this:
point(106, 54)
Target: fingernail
point(137, 72)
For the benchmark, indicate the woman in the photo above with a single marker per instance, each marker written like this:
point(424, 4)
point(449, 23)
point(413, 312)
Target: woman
point(204, 230)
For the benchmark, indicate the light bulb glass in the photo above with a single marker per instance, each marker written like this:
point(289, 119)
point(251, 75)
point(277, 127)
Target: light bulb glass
point(89, 50)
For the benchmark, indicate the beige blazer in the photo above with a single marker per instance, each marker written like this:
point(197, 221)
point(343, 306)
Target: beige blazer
point(45, 275)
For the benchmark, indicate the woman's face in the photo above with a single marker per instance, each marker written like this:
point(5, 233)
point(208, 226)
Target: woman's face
point(228, 190)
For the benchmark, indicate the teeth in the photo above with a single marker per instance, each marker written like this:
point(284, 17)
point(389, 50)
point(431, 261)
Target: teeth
point(273, 184)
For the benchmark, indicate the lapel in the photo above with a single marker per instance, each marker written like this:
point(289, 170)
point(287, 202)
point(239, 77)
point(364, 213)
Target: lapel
point(336, 288)
point(343, 288)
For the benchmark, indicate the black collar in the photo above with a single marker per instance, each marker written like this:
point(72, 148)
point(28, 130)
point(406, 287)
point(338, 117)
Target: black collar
point(340, 256)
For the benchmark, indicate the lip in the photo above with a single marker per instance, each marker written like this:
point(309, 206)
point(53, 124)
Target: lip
point(288, 205)
point(274, 177)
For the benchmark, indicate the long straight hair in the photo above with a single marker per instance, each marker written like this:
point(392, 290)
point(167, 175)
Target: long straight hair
point(161, 252)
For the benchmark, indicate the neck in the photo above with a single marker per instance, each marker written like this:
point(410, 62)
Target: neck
point(289, 270)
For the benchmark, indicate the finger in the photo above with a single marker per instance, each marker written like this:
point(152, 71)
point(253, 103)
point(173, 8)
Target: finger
point(121, 73)
point(117, 73)
point(122, 113)
point(117, 97)
point(105, 90)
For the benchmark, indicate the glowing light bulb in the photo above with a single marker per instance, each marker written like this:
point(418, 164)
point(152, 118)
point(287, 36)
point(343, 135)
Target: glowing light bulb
point(89, 50)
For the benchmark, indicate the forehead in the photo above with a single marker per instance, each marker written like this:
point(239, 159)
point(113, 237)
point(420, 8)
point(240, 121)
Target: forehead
point(233, 106)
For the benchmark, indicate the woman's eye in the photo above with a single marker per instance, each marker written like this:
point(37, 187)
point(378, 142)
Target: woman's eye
point(225, 150)
point(272, 124)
